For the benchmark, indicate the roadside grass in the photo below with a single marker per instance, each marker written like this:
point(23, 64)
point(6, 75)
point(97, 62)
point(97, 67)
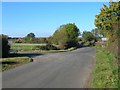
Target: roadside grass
point(105, 74)
point(9, 63)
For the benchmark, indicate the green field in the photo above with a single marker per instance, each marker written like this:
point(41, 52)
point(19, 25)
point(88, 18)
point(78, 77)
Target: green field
point(24, 46)
point(105, 74)
point(9, 63)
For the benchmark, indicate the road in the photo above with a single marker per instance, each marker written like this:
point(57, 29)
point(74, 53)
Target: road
point(53, 70)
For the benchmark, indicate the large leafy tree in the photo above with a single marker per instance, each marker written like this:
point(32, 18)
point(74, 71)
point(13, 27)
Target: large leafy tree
point(108, 19)
point(66, 35)
point(108, 22)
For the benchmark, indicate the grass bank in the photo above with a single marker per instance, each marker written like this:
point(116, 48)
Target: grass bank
point(105, 74)
point(9, 63)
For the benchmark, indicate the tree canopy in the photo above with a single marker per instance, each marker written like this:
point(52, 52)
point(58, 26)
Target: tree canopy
point(30, 35)
point(88, 36)
point(108, 18)
point(30, 38)
point(108, 22)
point(66, 35)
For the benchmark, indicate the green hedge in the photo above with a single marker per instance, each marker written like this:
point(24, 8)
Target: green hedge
point(46, 47)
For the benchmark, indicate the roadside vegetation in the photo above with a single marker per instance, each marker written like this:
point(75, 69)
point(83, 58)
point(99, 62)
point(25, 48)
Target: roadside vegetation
point(9, 63)
point(107, 69)
point(105, 74)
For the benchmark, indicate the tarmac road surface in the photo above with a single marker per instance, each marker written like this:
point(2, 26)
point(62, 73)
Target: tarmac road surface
point(53, 70)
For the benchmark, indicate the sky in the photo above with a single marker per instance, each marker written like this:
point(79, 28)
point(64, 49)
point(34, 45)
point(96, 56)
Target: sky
point(43, 18)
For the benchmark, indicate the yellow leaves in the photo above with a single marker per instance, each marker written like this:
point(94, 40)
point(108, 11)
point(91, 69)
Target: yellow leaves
point(107, 16)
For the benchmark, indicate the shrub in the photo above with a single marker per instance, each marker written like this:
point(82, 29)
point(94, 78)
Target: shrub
point(45, 47)
point(87, 43)
point(40, 48)
point(63, 45)
point(19, 41)
point(4, 46)
point(51, 47)
point(66, 36)
point(67, 44)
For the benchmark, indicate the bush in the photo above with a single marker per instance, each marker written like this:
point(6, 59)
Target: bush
point(63, 45)
point(51, 47)
point(72, 44)
point(45, 47)
point(4, 46)
point(68, 44)
point(66, 36)
point(19, 41)
point(87, 43)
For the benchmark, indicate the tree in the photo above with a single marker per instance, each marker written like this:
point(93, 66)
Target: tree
point(30, 38)
point(66, 36)
point(97, 34)
point(88, 36)
point(30, 35)
point(49, 40)
point(4, 46)
point(108, 19)
point(108, 22)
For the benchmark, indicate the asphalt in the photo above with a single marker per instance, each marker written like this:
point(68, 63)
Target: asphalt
point(53, 70)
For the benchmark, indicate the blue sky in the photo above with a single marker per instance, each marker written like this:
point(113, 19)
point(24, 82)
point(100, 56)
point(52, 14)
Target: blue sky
point(43, 18)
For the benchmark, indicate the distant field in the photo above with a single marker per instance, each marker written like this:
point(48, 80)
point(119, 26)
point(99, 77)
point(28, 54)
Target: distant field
point(24, 46)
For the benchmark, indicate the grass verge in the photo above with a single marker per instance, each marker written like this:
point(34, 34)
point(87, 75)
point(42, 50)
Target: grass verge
point(9, 63)
point(105, 74)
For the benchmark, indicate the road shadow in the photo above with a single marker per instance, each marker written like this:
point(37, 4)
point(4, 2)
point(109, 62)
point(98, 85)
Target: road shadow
point(31, 55)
